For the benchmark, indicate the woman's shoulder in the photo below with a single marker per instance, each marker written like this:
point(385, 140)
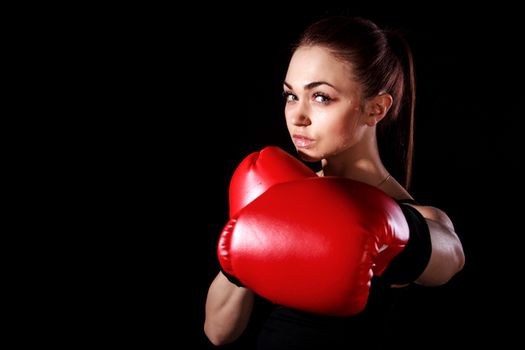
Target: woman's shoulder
point(428, 212)
point(403, 197)
point(434, 214)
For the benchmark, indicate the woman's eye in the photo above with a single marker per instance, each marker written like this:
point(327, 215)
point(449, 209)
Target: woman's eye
point(288, 96)
point(321, 98)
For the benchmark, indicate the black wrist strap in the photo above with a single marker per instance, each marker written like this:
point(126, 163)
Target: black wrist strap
point(408, 265)
point(231, 278)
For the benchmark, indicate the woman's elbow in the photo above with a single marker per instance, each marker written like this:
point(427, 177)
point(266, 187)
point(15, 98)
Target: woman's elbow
point(447, 258)
point(456, 258)
point(460, 258)
point(215, 336)
point(215, 339)
point(457, 262)
point(443, 267)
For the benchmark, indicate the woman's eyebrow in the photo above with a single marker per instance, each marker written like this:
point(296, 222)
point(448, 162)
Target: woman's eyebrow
point(311, 85)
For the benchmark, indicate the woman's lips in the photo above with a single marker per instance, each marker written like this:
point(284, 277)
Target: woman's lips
point(302, 141)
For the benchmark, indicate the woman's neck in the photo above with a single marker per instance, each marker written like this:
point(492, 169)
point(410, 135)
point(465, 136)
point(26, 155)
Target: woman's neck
point(360, 162)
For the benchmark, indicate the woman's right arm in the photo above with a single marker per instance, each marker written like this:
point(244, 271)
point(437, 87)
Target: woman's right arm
point(228, 310)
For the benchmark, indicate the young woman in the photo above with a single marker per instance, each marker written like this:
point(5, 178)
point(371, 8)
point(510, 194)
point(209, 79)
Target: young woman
point(350, 94)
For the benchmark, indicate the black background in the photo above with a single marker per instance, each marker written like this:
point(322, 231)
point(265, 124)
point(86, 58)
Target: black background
point(197, 96)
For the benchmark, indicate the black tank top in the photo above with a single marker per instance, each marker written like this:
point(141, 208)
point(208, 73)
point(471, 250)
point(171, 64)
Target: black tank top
point(287, 328)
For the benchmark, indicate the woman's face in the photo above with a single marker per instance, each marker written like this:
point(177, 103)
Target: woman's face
point(323, 106)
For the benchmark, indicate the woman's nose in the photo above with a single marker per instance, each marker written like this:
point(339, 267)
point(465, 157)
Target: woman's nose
point(300, 117)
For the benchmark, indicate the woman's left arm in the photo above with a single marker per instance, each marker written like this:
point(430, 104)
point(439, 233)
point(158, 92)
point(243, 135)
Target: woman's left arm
point(447, 257)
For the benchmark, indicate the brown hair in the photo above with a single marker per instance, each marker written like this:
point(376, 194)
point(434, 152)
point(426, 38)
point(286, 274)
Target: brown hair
point(382, 62)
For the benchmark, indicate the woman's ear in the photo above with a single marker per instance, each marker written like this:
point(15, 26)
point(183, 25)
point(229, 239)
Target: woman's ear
point(377, 107)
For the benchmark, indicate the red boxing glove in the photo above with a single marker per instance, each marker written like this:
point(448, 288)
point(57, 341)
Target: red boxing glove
point(254, 175)
point(311, 244)
point(392, 243)
point(261, 170)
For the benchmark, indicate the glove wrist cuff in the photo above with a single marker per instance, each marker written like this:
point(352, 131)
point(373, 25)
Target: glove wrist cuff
point(410, 263)
point(231, 278)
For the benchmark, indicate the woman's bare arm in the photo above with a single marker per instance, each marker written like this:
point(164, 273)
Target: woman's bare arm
point(228, 310)
point(447, 256)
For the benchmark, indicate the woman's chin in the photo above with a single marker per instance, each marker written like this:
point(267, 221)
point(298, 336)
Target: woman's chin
point(307, 157)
